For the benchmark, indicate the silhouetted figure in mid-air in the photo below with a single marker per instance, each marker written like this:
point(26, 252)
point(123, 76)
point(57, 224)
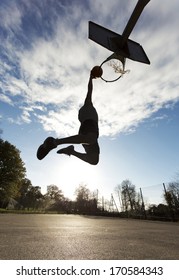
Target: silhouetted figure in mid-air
point(87, 136)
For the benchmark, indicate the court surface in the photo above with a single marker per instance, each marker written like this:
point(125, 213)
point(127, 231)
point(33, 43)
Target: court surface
point(66, 237)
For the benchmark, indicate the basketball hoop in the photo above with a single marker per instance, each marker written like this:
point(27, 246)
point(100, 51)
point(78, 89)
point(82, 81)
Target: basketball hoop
point(113, 68)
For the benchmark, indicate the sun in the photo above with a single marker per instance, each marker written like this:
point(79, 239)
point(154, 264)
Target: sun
point(71, 172)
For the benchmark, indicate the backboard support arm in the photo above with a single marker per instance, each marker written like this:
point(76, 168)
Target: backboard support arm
point(133, 19)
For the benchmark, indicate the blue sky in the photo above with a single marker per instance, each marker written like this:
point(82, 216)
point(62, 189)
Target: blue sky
point(46, 58)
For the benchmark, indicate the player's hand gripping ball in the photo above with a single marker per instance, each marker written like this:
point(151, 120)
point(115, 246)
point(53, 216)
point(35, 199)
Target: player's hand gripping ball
point(97, 72)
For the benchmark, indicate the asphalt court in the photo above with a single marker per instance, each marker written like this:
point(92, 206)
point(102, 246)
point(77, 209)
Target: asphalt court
point(67, 237)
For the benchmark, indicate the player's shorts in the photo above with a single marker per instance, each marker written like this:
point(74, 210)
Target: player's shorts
point(86, 127)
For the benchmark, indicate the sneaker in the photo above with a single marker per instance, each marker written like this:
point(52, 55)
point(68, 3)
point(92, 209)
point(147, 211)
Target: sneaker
point(67, 151)
point(48, 145)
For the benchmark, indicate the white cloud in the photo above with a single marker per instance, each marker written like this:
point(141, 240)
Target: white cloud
point(64, 122)
point(6, 99)
point(55, 70)
point(10, 16)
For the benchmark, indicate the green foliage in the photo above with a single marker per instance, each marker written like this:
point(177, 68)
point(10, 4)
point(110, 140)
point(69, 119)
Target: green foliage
point(29, 197)
point(86, 202)
point(55, 200)
point(12, 171)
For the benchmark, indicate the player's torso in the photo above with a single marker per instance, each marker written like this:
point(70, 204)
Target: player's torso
point(87, 112)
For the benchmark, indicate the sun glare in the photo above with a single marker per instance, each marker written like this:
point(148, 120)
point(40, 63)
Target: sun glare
point(72, 172)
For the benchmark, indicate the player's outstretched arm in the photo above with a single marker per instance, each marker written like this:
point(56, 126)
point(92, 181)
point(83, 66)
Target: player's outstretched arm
point(90, 89)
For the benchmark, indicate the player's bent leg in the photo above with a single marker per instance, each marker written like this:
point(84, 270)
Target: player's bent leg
point(91, 158)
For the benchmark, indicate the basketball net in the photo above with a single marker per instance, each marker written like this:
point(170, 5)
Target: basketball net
point(117, 62)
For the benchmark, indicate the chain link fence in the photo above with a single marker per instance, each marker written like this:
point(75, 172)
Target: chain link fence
point(159, 201)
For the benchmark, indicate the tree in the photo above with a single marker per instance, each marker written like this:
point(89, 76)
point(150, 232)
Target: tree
point(12, 171)
point(22, 196)
point(86, 202)
point(129, 195)
point(55, 199)
point(29, 196)
point(82, 196)
point(54, 193)
point(33, 197)
point(172, 197)
point(174, 189)
point(160, 210)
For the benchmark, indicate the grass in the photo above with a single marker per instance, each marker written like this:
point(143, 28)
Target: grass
point(13, 211)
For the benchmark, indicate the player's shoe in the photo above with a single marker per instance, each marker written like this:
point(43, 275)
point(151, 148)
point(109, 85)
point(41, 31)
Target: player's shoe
point(48, 145)
point(67, 151)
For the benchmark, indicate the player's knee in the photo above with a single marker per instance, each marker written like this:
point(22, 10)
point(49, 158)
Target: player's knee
point(95, 162)
point(94, 159)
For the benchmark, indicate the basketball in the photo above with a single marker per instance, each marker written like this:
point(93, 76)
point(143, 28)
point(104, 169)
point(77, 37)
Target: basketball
point(97, 71)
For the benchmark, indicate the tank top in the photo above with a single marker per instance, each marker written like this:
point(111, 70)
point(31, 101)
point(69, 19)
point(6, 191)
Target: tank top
point(87, 112)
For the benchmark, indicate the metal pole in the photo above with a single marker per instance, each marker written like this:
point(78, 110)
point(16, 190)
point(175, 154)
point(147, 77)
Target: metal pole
point(103, 203)
point(133, 19)
point(114, 202)
point(143, 205)
point(120, 201)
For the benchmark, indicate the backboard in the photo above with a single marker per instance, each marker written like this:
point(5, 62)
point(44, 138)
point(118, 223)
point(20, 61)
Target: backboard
point(120, 44)
point(111, 41)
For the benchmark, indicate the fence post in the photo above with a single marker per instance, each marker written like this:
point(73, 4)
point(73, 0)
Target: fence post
point(143, 205)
